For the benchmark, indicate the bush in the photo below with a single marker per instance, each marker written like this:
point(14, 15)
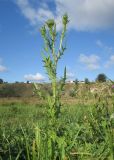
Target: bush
point(87, 81)
point(72, 93)
point(13, 90)
point(7, 91)
point(101, 78)
point(1, 81)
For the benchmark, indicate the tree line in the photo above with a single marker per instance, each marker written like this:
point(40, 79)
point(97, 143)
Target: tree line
point(100, 78)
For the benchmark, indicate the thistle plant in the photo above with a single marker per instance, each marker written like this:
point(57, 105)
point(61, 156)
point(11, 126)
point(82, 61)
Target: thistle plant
point(51, 55)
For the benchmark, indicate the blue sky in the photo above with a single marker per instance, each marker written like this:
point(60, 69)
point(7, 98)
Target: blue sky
point(90, 38)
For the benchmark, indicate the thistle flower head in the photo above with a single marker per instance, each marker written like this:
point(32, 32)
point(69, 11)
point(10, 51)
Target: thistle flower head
point(50, 23)
point(113, 86)
point(65, 19)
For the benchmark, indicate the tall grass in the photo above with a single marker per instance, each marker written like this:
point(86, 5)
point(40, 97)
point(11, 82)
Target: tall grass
point(88, 132)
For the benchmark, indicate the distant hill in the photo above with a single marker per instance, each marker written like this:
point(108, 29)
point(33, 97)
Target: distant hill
point(16, 90)
point(27, 89)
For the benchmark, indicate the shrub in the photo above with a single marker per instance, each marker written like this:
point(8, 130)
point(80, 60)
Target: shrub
point(72, 93)
point(87, 81)
point(1, 81)
point(101, 78)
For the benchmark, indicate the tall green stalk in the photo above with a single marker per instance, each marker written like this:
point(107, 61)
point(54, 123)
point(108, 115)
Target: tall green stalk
point(51, 55)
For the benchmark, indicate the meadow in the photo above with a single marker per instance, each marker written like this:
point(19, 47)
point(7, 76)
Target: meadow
point(86, 122)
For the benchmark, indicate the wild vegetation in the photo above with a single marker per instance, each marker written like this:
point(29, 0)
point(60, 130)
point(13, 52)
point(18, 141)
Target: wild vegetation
point(87, 131)
point(53, 129)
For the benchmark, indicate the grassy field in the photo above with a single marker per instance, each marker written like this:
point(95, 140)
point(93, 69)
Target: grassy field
point(87, 128)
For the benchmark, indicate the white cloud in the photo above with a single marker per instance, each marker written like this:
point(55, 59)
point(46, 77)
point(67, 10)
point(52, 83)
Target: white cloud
point(110, 62)
point(70, 75)
point(35, 77)
point(99, 43)
point(85, 15)
point(34, 15)
point(108, 49)
point(2, 67)
point(91, 62)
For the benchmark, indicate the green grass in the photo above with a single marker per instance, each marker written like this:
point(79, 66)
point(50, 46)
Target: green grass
point(88, 132)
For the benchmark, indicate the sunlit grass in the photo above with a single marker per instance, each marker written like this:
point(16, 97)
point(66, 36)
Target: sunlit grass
point(86, 129)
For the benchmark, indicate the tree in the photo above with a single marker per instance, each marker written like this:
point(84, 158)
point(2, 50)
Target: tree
point(101, 77)
point(16, 82)
point(76, 81)
point(1, 81)
point(87, 81)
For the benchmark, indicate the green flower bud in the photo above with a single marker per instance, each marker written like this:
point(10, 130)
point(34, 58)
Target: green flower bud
point(65, 19)
point(43, 31)
point(50, 23)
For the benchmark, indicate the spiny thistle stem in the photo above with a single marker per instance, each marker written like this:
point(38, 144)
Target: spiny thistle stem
point(50, 60)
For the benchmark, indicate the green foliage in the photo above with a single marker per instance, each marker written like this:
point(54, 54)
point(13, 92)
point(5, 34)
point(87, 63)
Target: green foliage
point(13, 90)
point(1, 81)
point(72, 93)
point(86, 132)
point(87, 81)
point(7, 91)
point(76, 81)
point(51, 56)
point(101, 78)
